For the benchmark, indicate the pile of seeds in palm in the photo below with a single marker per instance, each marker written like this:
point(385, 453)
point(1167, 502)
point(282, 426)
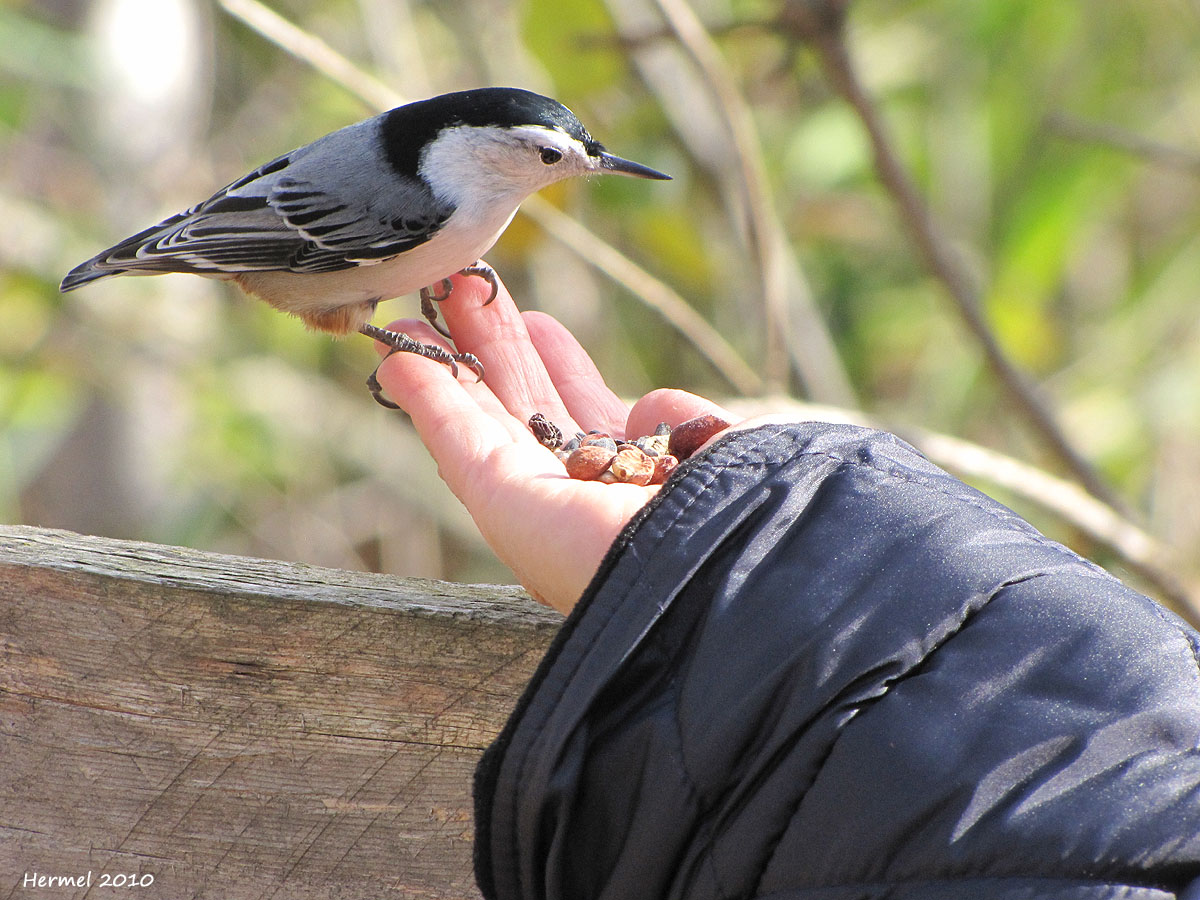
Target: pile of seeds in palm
point(598, 456)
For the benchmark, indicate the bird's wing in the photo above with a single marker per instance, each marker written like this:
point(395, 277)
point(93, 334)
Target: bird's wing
point(307, 211)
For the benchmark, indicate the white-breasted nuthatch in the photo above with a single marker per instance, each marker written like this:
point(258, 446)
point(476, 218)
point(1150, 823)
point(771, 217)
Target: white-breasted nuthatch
point(385, 207)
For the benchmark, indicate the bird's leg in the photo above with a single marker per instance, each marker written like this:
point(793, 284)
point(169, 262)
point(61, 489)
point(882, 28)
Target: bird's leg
point(429, 311)
point(436, 294)
point(402, 343)
point(488, 274)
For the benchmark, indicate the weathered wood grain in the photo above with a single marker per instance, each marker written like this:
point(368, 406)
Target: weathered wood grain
point(242, 728)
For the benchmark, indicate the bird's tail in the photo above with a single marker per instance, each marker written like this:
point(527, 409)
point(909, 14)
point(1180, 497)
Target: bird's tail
point(86, 273)
point(126, 258)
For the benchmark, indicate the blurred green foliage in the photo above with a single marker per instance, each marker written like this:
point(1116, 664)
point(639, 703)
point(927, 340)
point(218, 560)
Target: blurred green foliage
point(172, 409)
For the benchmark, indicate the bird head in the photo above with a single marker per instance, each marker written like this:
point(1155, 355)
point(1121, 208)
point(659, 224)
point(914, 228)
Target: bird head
point(490, 144)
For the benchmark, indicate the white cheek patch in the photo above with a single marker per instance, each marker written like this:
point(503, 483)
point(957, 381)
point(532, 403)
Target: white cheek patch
point(473, 167)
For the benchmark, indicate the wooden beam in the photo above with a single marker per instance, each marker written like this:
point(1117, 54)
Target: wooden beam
point(243, 728)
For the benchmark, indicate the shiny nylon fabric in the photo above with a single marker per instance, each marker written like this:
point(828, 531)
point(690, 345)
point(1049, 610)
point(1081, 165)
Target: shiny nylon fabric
point(819, 667)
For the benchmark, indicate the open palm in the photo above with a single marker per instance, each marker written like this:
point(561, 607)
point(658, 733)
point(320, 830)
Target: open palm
point(551, 530)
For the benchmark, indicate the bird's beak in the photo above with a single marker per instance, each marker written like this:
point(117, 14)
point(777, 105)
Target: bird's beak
point(609, 163)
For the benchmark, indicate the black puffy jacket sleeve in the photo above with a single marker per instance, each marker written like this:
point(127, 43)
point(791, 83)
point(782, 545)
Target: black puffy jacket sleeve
point(817, 667)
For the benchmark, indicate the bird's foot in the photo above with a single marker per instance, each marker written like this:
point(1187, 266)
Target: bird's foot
point(488, 274)
point(436, 293)
point(430, 296)
point(399, 342)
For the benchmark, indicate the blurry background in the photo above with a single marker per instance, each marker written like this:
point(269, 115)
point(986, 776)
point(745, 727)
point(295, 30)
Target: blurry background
point(1057, 145)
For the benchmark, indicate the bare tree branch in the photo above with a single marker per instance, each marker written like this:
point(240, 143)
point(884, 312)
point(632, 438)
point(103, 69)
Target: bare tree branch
point(766, 232)
point(821, 25)
point(817, 360)
point(654, 293)
point(310, 48)
point(1077, 129)
point(699, 95)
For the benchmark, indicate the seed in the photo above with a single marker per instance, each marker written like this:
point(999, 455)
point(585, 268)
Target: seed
point(587, 462)
point(689, 436)
point(663, 467)
point(653, 444)
point(547, 433)
point(632, 466)
point(600, 440)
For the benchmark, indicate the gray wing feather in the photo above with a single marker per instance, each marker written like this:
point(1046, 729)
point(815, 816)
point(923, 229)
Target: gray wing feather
point(331, 205)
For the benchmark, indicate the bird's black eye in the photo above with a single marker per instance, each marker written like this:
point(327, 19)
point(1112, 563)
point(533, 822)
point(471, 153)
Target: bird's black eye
point(550, 156)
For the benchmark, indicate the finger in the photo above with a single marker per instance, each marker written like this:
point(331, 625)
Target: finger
point(576, 378)
point(469, 442)
point(496, 334)
point(389, 375)
point(673, 407)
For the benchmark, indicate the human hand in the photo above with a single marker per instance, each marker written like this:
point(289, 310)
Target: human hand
point(551, 530)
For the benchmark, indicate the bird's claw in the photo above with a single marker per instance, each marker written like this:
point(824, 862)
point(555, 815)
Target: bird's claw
point(488, 274)
point(442, 290)
point(429, 311)
point(399, 342)
point(446, 288)
point(376, 388)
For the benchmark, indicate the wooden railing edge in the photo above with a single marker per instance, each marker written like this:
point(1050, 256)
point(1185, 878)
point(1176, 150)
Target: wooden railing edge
point(231, 575)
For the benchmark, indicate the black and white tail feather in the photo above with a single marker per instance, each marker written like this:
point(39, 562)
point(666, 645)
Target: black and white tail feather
point(293, 214)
